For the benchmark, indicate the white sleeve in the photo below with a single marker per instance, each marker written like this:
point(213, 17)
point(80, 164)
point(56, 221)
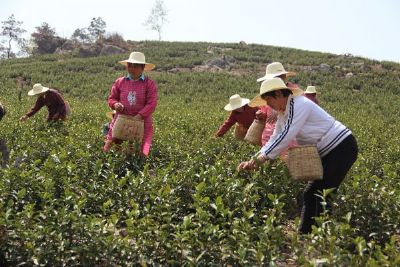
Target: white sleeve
point(286, 131)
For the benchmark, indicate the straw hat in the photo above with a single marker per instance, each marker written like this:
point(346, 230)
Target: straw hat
point(270, 85)
point(236, 102)
point(311, 90)
point(138, 58)
point(273, 70)
point(110, 114)
point(38, 89)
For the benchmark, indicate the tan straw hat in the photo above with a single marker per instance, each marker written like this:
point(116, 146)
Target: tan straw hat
point(38, 89)
point(311, 90)
point(138, 58)
point(236, 102)
point(270, 85)
point(110, 114)
point(273, 70)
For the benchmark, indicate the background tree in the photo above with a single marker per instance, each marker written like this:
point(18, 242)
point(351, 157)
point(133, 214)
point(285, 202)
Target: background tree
point(81, 35)
point(157, 18)
point(11, 29)
point(97, 28)
point(27, 47)
point(3, 49)
point(46, 39)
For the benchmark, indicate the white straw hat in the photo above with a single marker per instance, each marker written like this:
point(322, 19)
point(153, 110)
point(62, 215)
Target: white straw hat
point(38, 89)
point(270, 85)
point(236, 102)
point(138, 58)
point(273, 70)
point(311, 90)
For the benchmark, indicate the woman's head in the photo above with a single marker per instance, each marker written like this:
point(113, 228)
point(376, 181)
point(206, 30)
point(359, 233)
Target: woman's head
point(38, 89)
point(276, 70)
point(137, 58)
point(135, 70)
point(283, 92)
point(236, 103)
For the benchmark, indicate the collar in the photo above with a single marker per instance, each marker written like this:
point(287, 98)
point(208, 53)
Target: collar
point(290, 97)
point(129, 77)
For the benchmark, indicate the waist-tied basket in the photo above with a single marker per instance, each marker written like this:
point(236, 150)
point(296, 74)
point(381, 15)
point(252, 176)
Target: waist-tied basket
point(255, 131)
point(304, 163)
point(240, 131)
point(128, 128)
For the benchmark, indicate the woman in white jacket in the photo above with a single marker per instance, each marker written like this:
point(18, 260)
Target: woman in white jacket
point(301, 119)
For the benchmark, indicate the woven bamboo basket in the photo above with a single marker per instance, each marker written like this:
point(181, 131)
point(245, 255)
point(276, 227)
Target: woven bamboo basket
point(304, 163)
point(240, 131)
point(254, 133)
point(128, 128)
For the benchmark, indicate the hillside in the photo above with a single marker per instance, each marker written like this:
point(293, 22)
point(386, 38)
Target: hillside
point(64, 202)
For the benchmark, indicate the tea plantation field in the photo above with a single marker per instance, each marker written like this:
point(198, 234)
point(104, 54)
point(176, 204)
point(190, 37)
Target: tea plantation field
point(64, 202)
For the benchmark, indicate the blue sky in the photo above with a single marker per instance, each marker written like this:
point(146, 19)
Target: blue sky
point(368, 28)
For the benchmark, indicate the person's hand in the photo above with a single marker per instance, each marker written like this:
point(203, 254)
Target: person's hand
point(252, 164)
point(272, 118)
point(23, 118)
point(247, 165)
point(260, 115)
point(118, 107)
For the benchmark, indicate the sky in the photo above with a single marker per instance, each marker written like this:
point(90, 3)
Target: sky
point(367, 28)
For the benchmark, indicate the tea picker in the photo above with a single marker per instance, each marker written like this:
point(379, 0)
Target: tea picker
point(241, 115)
point(134, 99)
point(58, 108)
point(320, 137)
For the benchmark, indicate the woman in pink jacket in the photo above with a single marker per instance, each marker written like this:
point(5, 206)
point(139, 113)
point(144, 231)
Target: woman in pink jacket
point(134, 95)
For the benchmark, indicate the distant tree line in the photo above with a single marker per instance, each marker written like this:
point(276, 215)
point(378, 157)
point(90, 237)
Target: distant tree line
point(44, 40)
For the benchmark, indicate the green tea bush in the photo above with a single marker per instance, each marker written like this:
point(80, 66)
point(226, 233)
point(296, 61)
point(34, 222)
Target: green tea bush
point(63, 202)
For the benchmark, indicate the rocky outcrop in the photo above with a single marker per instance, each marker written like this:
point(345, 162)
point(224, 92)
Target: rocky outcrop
point(89, 50)
point(111, 50)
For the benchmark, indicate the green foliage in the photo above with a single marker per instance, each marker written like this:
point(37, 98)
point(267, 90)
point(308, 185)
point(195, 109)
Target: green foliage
point(63, 202)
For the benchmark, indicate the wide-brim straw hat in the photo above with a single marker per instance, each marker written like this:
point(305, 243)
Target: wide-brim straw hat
point(273, 70)
point(236, 102)
point(138, 58)
point(110, 114)
point(311, 90)
point(270, 85)
point(38, 89)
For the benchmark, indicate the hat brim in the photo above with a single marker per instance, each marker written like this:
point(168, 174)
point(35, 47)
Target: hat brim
point(244, 102)
point(269, 76)
point(147, 66)
point(32, 93)
point(257, 101)
point(305, 92)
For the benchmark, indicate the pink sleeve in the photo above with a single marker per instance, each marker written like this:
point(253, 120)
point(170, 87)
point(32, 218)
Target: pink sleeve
point(115, 92)
point(151, 99)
